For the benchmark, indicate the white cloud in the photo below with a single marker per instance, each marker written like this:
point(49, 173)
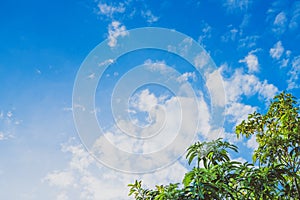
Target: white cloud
point(252, 143)
point(280, 19)
point(240, 84)
point(280, 23)
point(171, 118)
point(145, 101)
point(230, 35)
point(213, 134)
point(233, 33)
point(158, 65)
point(8, 124)
point(239, 112)
point(232, 138)
point(184, 46)
point(81, 161)
point(277, 50)
point(97, 188)
point(284, 15)
point(187, 76)
point(237, 86)
point(295, 18)
point(244, 23)
point(284, 62)
point(106, 62)
point(2, 136)
point(62, 196)
point(84, 178)
point(237, 5)
point(215, 84)
point(267, 90)
point(60, 178)
point(124, 9)
point(94, 181)
point(206, 30)
point(92, 76)
point(115, 30)
point(248, 41)
point(239, 159)
point(110, 10)
point(78, 107)
point(293, 82)
point(67, 109)
point(148, 15)
point(252, 62)
point(201, 60)
point(173, 174)
point(9, 114)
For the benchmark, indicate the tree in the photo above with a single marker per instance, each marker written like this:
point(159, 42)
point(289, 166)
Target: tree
point(215, 176)
point(278, 136)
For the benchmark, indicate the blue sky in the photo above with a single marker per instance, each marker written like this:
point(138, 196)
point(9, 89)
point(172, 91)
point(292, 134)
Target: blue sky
point(254, 45)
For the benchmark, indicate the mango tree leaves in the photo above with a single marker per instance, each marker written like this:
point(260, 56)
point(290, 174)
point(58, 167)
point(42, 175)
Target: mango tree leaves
point(278, 137)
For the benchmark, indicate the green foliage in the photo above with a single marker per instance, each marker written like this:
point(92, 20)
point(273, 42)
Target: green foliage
point(215, 176)
point(278, 136)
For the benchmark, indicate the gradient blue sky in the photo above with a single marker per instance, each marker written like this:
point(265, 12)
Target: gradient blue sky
point(254, 44)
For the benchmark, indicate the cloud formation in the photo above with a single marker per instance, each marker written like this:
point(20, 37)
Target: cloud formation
point(251, 61)
point(293, 81)
point(115, 30)
point(149, 16)
point(277, 50)
point(84, 178)
point(237, 5)
point(241, 85)
point(109, 10)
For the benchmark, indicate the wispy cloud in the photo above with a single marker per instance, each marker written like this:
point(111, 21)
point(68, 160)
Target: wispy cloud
point(109, 10)
point(201, 60)
point(62, 196)
point(8, 124)
point(277, 50)
point(240, 84)
point(206, 32)
point(280, 23)
point(115, 30)
point(245, 23)
point(280, 55)
point(251, 61)
point(158, 65)
point(60, 178)
point(294, 73)
point(230, 35)
point(248, 42)
point(239, 111)
point(126, 10)
point(2, 137)
point(284, 15)
point(187, 76)
point(237, 5)
point(295, 16)
point(149, 16)
point(85, 178)
point(106, 62)
point(252, 143)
